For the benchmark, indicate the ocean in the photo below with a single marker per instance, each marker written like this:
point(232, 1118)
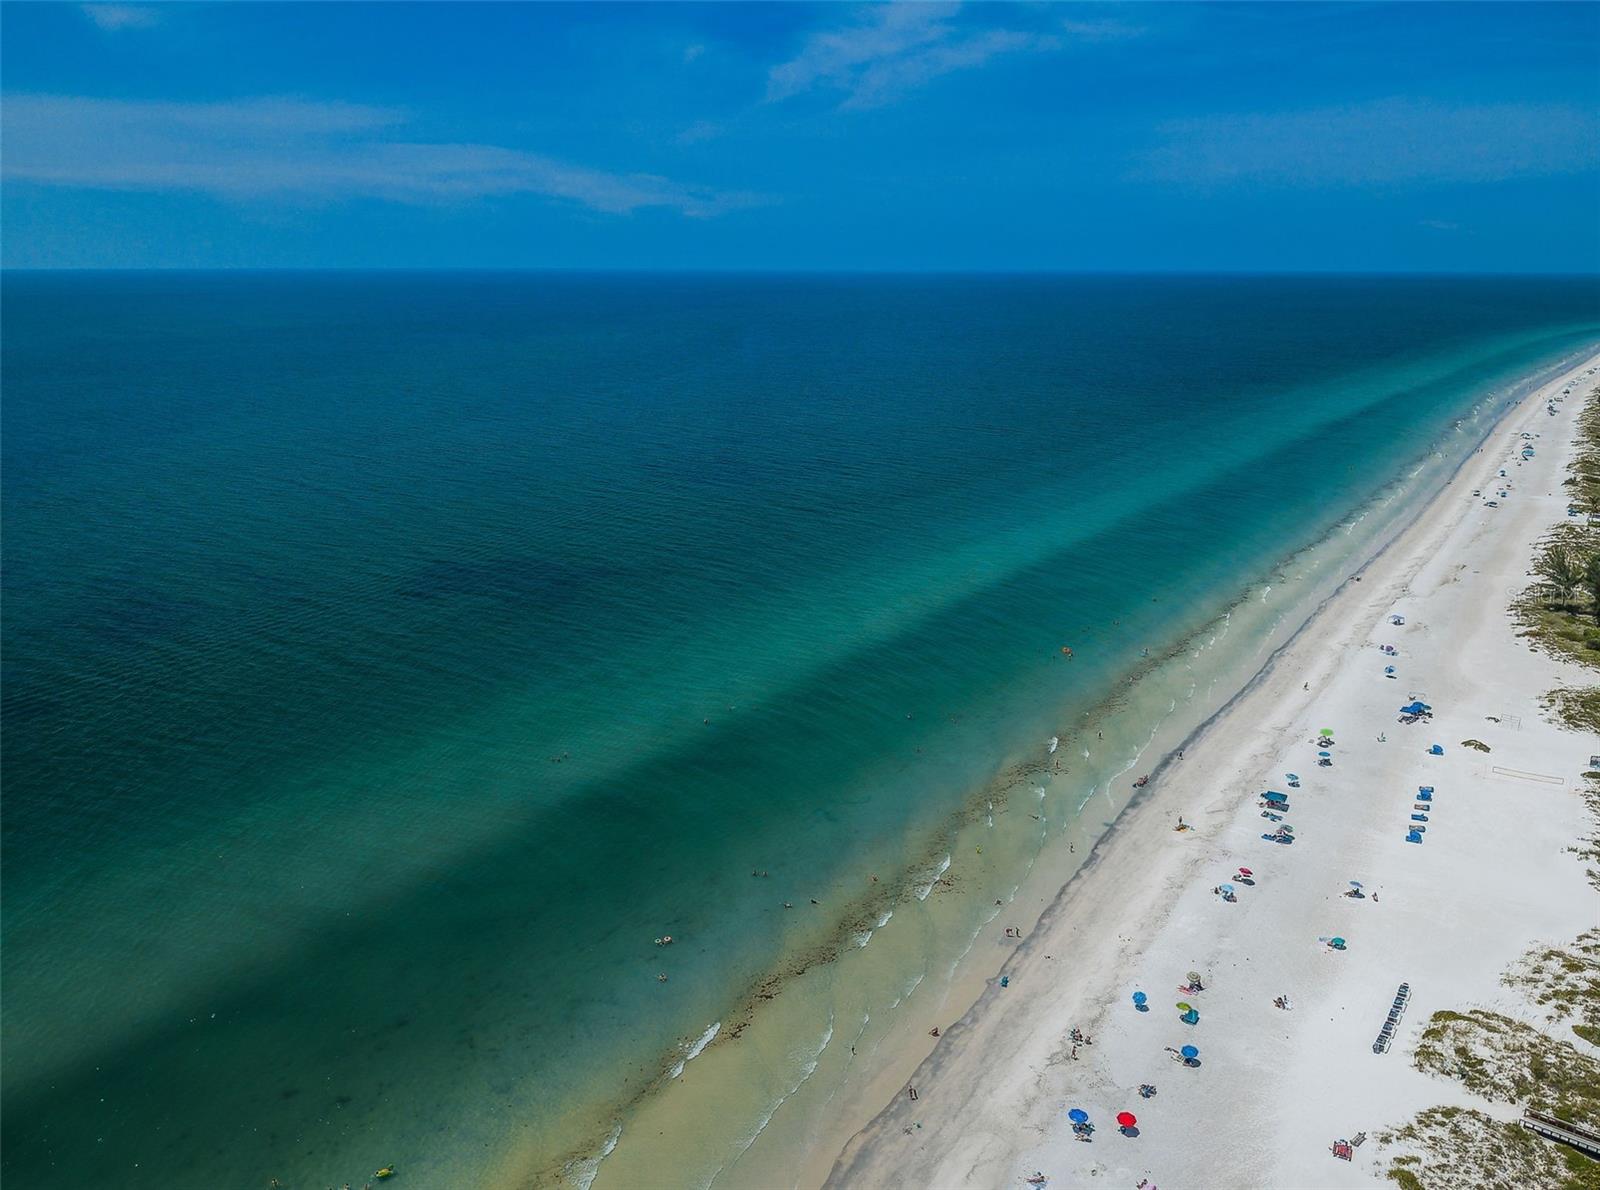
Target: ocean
point(392, 659)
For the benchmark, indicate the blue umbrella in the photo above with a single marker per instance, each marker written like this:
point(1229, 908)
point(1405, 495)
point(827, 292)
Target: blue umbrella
point(1078, 1116)
point(1292, 776)
point(1324, 753)
point(1226, 888)
point(1139, 997)
point(1190, 1051)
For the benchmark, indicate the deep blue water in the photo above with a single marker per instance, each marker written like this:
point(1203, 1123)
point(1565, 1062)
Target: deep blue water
point(389, 658)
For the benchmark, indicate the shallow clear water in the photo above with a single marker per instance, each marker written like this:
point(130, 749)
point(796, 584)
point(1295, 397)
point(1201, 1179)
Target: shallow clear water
point(390, 659)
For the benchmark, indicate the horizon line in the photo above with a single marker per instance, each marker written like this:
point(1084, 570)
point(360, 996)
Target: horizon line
point(773, 271)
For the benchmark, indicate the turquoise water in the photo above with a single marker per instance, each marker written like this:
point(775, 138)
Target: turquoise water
point(389, 659)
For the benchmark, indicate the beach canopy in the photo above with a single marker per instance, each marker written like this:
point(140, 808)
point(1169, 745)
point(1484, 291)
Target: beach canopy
point(1078, 1116)
point(1190, 1051)
point(1126, 1119)
point(1139, 997)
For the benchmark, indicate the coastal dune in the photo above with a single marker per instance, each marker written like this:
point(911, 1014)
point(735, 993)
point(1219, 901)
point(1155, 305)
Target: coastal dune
point(1274, 1087)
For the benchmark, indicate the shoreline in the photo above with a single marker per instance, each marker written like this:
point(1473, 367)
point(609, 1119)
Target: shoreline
point(1322, 567)
point(876, 1154)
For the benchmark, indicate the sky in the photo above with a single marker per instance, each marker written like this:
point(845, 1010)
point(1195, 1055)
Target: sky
point(1273, 137)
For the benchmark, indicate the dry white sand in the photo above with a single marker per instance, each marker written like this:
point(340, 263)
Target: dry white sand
point(1274, 1089)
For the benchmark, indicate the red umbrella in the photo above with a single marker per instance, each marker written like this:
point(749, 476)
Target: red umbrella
point(1126, 1119)
point(1246, 872)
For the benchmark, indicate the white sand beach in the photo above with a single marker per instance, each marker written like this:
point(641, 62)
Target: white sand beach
point(1274, 1088)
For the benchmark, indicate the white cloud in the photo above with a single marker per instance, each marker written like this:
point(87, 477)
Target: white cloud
point(700, 130)
point(1101, 30)
point(1379, 142)
point(113, 17)
point(290, 148)
point(890, 49)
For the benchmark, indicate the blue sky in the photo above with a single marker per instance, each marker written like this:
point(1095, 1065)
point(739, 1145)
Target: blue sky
point(1420, 137)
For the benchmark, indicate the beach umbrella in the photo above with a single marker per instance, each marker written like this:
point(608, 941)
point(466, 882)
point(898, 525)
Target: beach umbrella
point(1078, 1116)
point(1182, 1007)
point(1246, 872)
point(1324, 753)
point(1226, 888)
point(1286, 829)
point(1336, 942)
point(1190, 1051)
point(1355, 884)
point(1194, 978)
point(1139, 998)
point(1126, 1119)
point(1327, 731)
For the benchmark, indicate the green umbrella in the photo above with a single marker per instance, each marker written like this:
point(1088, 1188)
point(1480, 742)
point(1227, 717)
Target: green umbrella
point(1184, 1008)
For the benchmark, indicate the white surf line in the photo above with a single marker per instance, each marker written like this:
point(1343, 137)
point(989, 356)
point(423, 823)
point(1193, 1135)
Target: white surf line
point(944, 866)
point(696, 1048)
point(809, 1067)
point(582, 1173)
